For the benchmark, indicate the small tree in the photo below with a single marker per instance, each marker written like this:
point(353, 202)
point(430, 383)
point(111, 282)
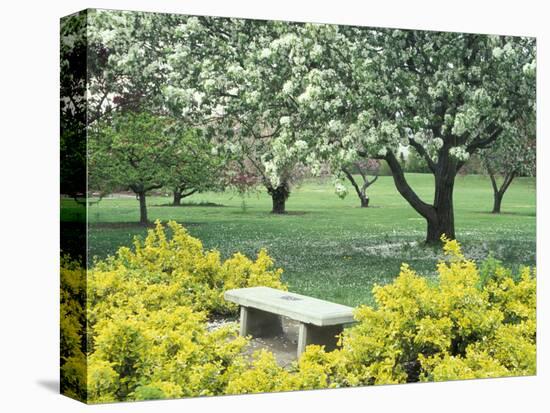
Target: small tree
point(241, 176)
point(132, 151)
point(512, 156)
point(234, 77)
point(195, 167)
point(364, 169)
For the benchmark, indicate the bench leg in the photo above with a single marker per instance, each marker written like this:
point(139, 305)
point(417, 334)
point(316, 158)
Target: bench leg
point(311, 334)
point(259, 323)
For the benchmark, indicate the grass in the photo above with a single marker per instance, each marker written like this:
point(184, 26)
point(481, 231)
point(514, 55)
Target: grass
point(328, 247)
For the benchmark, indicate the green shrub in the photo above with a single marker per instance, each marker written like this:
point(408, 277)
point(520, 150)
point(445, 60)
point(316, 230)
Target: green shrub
point(148, 339)
point(72, 321)
point(146, 317)
point(458, 328)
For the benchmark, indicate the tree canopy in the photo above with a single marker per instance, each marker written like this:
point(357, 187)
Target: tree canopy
point(136, 151)
point(280, 95)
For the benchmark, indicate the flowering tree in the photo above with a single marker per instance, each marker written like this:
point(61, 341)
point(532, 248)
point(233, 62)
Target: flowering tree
point(127, 60)
point(280, 94)
point(443, 95)
point(238, 86)
point(128, 66)
point(512, 156)
point(364, 169)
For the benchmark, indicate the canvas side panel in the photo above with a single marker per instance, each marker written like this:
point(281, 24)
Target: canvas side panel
point(73, 205)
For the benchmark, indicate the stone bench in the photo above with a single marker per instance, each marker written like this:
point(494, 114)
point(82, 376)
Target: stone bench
point(262, 308)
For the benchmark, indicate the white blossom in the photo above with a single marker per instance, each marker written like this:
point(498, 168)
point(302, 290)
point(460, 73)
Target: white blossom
point(198, 97)
point(316, 51)
point(340, 189)
point(508, 49)
point(285, 120)
point(335, 126)
point(265, 53)
point(193, 24)
point(459, 153)
point(529, 68)
point(209, 84)
point(301, 145)
point(419, 137)
point(288, 87)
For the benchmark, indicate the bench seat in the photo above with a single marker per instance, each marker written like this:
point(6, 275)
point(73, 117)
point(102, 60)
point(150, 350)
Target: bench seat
point(262, 307)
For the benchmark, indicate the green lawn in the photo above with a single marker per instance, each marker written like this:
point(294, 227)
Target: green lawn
point(328, 247)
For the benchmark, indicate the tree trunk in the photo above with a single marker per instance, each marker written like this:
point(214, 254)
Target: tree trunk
point(364, 200)
point(443, 221)
point(498, 193)
point(442, 224)
point(440, 215)
point(361, 191)
point(142, 208)
point(497, 197)
point(178, 195)
point(279, 196)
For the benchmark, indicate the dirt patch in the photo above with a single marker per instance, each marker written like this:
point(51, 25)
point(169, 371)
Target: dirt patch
point(283, 346)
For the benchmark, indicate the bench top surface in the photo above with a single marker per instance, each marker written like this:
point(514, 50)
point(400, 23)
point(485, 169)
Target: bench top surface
point(295, 306)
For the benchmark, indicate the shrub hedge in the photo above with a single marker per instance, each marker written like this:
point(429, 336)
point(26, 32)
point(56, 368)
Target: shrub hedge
point(147, 307)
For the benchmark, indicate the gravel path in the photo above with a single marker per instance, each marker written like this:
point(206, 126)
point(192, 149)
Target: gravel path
point(282, 346)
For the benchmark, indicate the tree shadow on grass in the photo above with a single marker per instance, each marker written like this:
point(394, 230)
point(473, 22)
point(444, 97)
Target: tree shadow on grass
point(291, 213)
point(510, 213)
point(268, 214)
point(193, 204)
point(135, 225)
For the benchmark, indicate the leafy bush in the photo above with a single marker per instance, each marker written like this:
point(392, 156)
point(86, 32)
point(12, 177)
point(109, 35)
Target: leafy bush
point(162, 353)
point(146, 319)
point(165, 271)
point(458, 328)
point(72, 322)
point(312, 371)
point(148, 338)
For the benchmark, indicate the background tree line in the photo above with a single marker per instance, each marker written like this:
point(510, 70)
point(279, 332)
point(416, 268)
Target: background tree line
point(176, 100)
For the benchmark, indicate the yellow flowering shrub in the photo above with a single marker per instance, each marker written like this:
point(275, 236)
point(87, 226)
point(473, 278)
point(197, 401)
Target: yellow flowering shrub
point(161, 353)
point(146, 313)
point(179, 267)
point(72, 321)
point(263, 374)
point(464, 326)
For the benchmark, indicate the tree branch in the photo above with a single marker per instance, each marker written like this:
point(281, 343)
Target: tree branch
point(480, 143)
point(424, 209)
point(422, 152)
point(507, 181)
point(351, 179)
point(184, 195)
